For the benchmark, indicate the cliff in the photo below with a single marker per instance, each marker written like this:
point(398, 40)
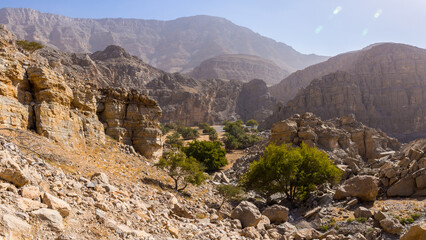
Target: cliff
point(35, 96)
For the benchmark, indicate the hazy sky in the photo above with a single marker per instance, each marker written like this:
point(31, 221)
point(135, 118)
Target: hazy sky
point(325, 27)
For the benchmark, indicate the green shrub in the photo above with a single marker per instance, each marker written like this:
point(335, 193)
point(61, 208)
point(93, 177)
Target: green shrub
point(361, 219)
point(166, 128)
point(236, 136)
point(29, 46)
point(187, 132)
point(210, 154)
point(415, 216)
point(251, 123)
point(349, 220)
point(293, 171)
point(174, 140)
point(182, 169)
point(213, 136)
point(229, 193)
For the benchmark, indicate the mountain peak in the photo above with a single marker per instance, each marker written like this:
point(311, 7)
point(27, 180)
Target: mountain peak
point(112, 51)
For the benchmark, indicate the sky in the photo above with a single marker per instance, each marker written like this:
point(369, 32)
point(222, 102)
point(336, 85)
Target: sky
point(324, 27)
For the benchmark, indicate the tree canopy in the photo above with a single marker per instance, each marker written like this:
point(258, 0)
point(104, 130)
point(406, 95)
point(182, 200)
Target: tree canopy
point(294, 171)
point(210, 154)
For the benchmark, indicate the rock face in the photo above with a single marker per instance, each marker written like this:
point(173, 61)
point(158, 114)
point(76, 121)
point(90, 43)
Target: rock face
point(38, 93)
point(363, 187)
point(254, 101)
point(376, 84)
point(342, 135)
point(239, 67)
point(177, 45)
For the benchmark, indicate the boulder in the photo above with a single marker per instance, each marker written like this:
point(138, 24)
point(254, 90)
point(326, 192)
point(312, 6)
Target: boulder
point(403, 188)
point(247, 213)
point(14, 227)
point(391, 226)
point(11, 171)
point(30, 192)
point(276, 213)
point(362, 212)
point(421, 181)
point(362, 187)
point(55, 203)
point(99, 178)
point(416, 232)
point(379, 216)
point(52, 217)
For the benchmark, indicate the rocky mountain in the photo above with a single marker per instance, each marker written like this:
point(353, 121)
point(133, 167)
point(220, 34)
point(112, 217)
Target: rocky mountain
point(175, 46)
point(384, 85)
point(40, 94)
point(239, 67)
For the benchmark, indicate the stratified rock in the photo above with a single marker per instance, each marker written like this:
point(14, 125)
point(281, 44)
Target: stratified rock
point(239, 67)
point(276, 213)
point(416, 232)
point(247, 213)
point(363, 187)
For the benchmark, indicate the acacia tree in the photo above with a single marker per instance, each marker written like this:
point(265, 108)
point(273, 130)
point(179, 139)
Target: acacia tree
point(293, 171)
point(210, 154)
point(182, 169)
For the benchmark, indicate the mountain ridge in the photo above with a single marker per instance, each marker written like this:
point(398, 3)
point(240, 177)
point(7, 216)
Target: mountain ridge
point(175, 45)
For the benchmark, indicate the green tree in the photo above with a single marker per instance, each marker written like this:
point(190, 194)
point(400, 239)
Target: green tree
point(236, 136)
point(187, 132)
point(182, 169)
point(210, 154)
point(166, 128)
point(229, 193)
point(213, 136)
point(29, 46)
point(293, 171)
point(251, 123)
point(174, 140)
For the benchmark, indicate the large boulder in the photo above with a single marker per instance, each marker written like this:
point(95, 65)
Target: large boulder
point(51, 217)
point(391, 225)
point(11, 171)
point(247, 213)
point(416, 232)
point(403, 188)
point(363, 187)
point(276, 213)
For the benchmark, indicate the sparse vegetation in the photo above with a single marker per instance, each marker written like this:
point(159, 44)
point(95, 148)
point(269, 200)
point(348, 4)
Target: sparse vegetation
point(293, 171)
point(229, 193)
point(415, 216)
point(174, 140)
point(361, 219)
point(349, 220)
point(187, 132)
point(182, 169)
point(210, 154)
point(29, 46)
point(166, 128)
point(236, 136)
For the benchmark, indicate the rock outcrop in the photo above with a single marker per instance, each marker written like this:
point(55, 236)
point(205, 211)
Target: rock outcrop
point(239, 67)
point(254, 101)
point(383, 85)
point(175, 46)
point(39, 93)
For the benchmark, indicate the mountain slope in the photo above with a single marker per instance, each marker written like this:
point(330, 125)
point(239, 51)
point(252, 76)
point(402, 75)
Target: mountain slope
point(239, 67)
point(382, 60)
point(177, 45)
point(385, 87)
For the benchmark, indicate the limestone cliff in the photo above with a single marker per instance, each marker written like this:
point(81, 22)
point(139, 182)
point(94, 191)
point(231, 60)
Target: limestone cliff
point(239, 67)
point(37, 93)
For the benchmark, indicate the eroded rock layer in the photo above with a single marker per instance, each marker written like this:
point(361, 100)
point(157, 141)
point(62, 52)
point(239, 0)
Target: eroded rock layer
point(38, 94)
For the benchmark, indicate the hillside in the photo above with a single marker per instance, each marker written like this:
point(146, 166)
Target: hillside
point(174, 46)
point(384, 85)
point(239, 67)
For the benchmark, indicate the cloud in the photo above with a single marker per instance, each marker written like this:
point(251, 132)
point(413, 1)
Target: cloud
point(337, 10)
point(378, 13)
